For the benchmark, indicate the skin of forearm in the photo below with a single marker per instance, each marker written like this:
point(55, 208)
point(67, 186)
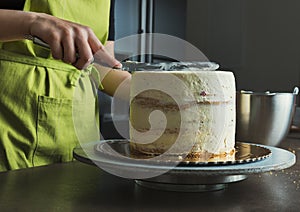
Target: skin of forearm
point(15, 24)
point(115, 82)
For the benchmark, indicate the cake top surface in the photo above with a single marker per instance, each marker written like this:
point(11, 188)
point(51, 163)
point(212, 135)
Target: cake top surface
point(184, 72)
point(170, 66)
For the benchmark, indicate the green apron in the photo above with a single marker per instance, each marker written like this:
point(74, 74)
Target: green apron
point(39, 95)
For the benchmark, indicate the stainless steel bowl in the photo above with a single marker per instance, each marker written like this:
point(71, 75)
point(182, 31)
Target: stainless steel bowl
point(264, 118)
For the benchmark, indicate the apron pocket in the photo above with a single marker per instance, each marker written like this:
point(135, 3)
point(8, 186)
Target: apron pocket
point(56, 137)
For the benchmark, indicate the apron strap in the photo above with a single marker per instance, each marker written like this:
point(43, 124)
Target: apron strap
point(75, 74)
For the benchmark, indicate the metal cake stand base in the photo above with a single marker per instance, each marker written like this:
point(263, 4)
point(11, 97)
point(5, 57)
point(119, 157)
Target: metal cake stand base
point(204, 187)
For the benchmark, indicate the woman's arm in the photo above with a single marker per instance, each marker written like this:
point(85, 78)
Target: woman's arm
point(65, 38)
point(116, 82)
point(15, 24)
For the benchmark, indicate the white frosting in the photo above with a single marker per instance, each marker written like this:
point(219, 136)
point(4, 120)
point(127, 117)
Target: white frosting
point(200, 115)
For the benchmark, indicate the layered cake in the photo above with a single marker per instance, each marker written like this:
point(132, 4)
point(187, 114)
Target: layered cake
point(186, 113)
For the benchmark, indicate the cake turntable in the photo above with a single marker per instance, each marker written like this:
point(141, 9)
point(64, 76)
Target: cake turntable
point(114, 157)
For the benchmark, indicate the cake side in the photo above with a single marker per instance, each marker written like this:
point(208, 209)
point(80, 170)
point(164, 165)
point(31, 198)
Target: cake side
point(203, 119)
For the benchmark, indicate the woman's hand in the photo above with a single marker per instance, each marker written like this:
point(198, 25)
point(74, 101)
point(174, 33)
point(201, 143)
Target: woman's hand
point(70, 42)
point(64, 38)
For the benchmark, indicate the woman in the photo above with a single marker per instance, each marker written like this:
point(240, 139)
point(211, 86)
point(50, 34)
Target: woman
point(41, 89)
